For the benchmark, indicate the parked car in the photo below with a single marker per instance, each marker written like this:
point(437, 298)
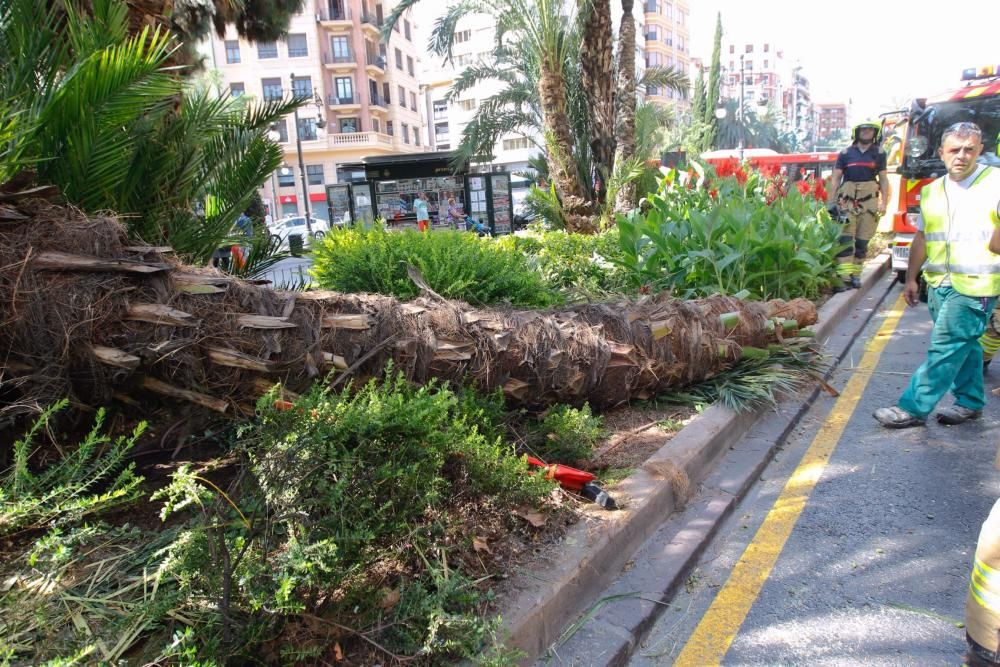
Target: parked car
point(296, 225)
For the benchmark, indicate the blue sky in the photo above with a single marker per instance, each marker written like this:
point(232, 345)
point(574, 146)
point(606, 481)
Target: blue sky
point(915, 49)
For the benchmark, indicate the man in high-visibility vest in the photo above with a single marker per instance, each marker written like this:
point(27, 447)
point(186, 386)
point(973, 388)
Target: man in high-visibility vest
point(958, 233)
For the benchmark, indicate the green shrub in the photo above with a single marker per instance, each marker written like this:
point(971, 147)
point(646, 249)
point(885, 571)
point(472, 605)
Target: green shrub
point(567, 434)
point(457, 265)
point(575, 265)
point(89, 478)
point(732, 234)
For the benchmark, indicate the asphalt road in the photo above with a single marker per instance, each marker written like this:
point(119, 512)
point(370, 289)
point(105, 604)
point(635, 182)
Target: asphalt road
point(289, 272)
point(875, 567)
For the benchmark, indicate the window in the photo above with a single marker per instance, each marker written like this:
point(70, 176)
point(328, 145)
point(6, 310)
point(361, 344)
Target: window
point(376, 125)
point(399, 59)
point(651, 34)
point(515, 144)
point(349, 125)
point(463, 36)
point(341, 49)
point(748, 65)
point(668, 10)
point(680, 17)
point(413, 101)
point(767, 47)
point(732, 49)
point(345, 89)
point(307, 129)
point(405, 133)
point(416, 136)
point(680, 43)
point(402, 97)
point(652, 60)
point(409, 65)
point(286, 180)
point(388, 128)
point(297, 47)
point(765, 63)
point(668, 38)
point(237, 89)
point(440, 109)
point(749, 48)
point(651, 7)
point(385, 94)
point(267, 50)
point(406, 30)
point(272, 88)
point(465, 59)
point(281, 127)
point(732, 65)
point(314, 174)
point(652, 90)
point(302, 86)
point(232, 51)
point(289, 208)
point(467, 105)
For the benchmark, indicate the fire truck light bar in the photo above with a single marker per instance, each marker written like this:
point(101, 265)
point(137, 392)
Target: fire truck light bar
point(984, 72)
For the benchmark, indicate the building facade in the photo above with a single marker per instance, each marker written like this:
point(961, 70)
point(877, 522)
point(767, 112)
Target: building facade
point(366, 93)
point(475, 36)
point(831, 122)
point(664, 34)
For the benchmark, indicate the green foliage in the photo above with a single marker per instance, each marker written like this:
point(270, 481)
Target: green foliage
point(578, 266)
point(729, 236)
point(87, 479)
point(104, 116)
point(568, 434)
point(457, 265)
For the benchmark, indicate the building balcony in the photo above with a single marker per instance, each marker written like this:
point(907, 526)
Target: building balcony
point(349, 103)
point(337, 20)
point(378, 103)
point(352, 141)
point(340, 63)
point(371, 24)
point(374, 64)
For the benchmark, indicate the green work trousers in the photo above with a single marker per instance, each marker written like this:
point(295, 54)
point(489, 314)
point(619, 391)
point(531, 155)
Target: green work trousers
point(955, 358)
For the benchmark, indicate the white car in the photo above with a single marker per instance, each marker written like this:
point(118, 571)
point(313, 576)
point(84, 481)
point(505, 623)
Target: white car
point(296, 225)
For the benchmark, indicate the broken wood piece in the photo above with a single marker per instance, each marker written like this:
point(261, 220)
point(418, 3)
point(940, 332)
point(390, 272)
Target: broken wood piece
point(144, 249)
point(165, 389)
point(335, 360)
point(112, 356)
point(11, 214)
point(64, 261)
point(453, 351)
point(264, 322)
point(515, 388)
point(160, 313)
point(42, 191)
point(358, 322)
point(225, 356)
point(200, 279)
point(16, 367)
point(412, 309)
point(200, 289)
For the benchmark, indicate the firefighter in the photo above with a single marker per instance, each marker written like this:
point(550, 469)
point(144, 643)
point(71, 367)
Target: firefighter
point(859, 193)
point(958, 233)
point(982, 604)
point(990, 340)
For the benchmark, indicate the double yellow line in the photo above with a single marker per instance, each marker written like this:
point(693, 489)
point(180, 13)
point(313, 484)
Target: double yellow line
point(710, 641)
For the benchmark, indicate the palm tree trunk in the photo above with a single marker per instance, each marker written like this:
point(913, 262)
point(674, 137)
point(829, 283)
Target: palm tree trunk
point(625, 130)
point(559, 144)
point(90, 317)
point(597, 65)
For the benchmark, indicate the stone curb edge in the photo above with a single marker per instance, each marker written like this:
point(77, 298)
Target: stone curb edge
point(603, 542)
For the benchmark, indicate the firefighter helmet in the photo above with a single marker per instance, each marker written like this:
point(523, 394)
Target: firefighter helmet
point(873, 124)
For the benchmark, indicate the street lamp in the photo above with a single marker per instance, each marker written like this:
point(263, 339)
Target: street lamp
point(320, 123)
point(720, 112)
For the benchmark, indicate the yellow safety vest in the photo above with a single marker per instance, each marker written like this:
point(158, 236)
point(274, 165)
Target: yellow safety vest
point(966, 258)
point(982, 605)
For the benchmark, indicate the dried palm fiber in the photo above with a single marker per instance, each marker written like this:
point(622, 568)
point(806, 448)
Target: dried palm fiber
point(88, 315)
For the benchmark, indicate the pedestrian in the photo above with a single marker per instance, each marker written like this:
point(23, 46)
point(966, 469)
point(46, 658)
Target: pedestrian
point(982, 603)
point(859, 193)
point(958, 234)
point(455, 214)
point(422, 211)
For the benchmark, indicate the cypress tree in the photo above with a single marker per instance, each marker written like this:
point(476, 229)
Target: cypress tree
point(714, 76)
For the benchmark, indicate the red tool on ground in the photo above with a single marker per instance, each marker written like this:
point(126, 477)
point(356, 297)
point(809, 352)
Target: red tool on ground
point(578, 481)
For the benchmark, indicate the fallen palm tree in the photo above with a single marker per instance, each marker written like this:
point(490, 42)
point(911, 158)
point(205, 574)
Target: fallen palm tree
point(89, 315)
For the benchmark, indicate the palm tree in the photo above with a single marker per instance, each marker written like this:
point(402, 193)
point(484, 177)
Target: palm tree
point(598, 79)
point(178, 163)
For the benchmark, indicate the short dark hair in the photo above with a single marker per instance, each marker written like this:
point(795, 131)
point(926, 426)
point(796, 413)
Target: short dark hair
point(963, 129)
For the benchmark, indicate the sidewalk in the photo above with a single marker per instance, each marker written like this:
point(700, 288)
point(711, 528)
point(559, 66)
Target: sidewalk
point(594, 553)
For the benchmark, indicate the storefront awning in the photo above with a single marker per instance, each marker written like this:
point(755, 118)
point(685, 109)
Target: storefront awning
point(288, 199)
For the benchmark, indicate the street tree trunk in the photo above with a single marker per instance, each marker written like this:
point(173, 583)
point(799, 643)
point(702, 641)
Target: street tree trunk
point(625, 130)
point(597, 65)
point(559, 143)
point(89, 316)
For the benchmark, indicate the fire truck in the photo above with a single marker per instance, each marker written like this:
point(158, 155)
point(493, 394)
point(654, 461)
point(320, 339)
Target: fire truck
point(796, 166)
point(978, 101)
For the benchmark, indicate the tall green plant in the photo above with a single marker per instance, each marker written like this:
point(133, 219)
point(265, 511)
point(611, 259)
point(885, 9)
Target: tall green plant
point(100, 113)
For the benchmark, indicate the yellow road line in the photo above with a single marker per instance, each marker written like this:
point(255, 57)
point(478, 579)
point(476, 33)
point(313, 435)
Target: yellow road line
point(710, 641)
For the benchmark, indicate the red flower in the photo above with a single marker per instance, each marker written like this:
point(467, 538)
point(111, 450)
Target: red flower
point(769, 170)
point(804, 187)
point(741, 176)
point(713, 193)
point(820, 192)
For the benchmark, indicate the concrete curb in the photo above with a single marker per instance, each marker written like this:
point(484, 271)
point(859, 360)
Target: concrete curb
point(594, 552)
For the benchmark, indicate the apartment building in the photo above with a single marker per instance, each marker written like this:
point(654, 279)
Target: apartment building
point(831, 120)
point(666, 44)
point(366, 96)
point(475, 36)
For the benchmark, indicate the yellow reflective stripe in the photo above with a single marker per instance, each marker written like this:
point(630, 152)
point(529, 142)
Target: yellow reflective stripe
point(960, 236)
point(912, 184)
point(965, 269)
point(984, 584)
point(976, 92)
point(990, 344)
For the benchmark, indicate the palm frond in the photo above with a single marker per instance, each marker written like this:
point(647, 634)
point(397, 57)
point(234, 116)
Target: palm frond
point(665, 77)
